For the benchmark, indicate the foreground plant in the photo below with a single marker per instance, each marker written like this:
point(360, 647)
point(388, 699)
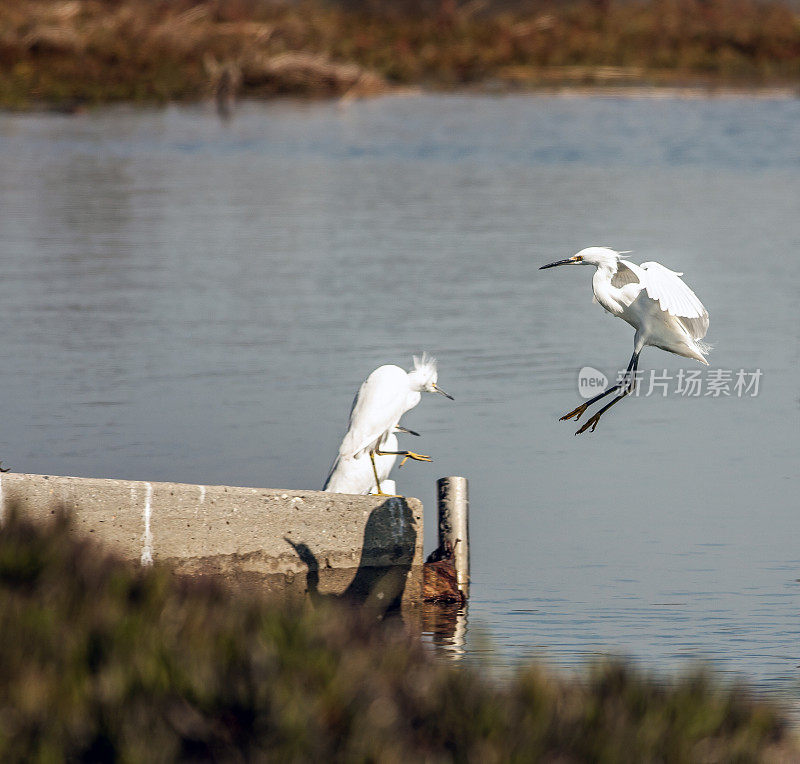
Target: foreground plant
point(101, 660)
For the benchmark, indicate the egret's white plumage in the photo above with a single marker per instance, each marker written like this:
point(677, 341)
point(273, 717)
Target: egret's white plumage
point(354, 474)
point(654, 300)
point(385, 395)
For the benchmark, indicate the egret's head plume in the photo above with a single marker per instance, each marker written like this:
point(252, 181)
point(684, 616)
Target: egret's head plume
point(425, 372)
point(425, 375)
point(599, 256)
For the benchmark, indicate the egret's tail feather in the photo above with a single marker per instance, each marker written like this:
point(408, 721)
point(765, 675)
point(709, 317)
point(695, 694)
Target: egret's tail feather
point(696, 349)
point(701, 350)
point(704, 347)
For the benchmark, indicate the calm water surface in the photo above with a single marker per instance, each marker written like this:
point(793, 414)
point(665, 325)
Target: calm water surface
point(187, 299)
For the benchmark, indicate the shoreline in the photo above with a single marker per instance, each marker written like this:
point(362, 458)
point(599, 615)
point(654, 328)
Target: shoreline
point(621, 92)
point(638, 90)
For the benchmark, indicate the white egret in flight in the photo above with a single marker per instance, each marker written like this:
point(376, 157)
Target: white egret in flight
point(653, 300)
point(382, 399)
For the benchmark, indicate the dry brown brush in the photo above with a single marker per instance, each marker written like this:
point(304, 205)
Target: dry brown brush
point(72, 52)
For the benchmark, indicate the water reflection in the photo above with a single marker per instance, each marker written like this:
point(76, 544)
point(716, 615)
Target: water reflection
point(444, 625)
point(188, 300)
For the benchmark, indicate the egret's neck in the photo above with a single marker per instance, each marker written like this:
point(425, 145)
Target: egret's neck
point(606, 294)
point(412, 399)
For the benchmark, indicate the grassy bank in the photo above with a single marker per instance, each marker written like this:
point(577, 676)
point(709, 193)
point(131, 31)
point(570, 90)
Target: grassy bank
point(102, 661)
point(74, 52)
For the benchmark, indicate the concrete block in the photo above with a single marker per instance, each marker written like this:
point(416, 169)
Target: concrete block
point(326, 545)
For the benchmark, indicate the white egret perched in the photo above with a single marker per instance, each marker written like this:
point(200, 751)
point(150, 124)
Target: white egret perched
point(653, 300)
point(382, 399)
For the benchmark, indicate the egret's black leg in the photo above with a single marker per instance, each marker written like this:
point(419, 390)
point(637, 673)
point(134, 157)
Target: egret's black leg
point(626, 382)
point(595, 418)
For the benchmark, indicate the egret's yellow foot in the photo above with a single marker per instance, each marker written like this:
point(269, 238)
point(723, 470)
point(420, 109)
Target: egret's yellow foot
point(575, 413)
point(590, 422)
point(415, 457)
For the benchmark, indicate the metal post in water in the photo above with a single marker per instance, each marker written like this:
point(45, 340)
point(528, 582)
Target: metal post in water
point(452, 500)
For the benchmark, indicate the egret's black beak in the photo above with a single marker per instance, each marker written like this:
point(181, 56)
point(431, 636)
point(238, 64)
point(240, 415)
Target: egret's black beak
point(568, 261)
point(446, 395)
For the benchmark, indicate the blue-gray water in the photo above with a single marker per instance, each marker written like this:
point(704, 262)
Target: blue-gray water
point(187, 299)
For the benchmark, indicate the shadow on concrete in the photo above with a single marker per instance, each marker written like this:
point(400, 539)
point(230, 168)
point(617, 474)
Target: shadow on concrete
point(387, 552)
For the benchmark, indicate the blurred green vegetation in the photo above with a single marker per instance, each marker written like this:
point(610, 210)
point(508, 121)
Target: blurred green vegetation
point(103, 661)
point(73, 52)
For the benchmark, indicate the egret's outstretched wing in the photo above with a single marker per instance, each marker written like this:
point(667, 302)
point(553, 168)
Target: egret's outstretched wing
point(675, 297)
point(376, 409)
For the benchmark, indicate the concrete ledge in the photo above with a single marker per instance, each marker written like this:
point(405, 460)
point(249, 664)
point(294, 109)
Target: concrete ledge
point(324, 544)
